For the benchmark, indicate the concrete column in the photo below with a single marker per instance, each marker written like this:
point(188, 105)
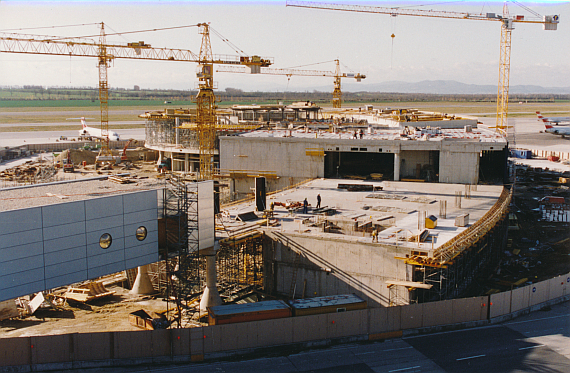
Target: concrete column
point(177, 124)
point(186, 165)
point(210, 297)
point(142, 284)
point(397, 162)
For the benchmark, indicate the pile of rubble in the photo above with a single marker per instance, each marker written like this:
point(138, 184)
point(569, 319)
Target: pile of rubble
point(29, 172)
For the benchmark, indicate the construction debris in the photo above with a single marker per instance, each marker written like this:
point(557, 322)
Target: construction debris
point(87, 292)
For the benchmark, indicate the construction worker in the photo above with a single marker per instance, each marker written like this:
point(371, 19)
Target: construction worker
point(318, 201)
point(375, 234)
point(305, 206)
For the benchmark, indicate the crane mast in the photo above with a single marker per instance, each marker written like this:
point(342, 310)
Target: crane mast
point(104, 59)
point(337, 93)
point(105, 53)
point(548, 22)
point(504, 72)
point(206, 106)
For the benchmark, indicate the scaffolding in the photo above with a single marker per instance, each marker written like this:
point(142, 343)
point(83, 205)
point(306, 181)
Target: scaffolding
point(240, 262)
point(185, 268)
point(471, 254)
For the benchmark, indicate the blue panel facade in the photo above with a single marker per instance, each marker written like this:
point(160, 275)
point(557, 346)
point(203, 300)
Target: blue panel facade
point(56, 245)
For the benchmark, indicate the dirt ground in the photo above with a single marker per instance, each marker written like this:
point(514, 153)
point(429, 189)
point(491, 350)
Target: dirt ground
point(107, 314)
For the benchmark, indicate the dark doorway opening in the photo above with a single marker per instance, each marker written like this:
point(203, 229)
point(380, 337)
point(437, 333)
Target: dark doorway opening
point(344, 164)
point(493, 166)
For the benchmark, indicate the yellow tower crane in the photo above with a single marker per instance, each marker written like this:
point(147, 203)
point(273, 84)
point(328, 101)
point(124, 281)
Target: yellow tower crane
point(548, 22)
point(337, 75)
point(106, 53)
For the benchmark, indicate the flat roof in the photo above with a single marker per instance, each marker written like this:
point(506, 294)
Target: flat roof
point(324, 301)
point(397, 208)
point(68, 191)
point(446, 134)
point(231, 309)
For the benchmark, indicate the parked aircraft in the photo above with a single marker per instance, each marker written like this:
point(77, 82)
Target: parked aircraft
point(561, 131)
point(553, 120)
point(97, 133)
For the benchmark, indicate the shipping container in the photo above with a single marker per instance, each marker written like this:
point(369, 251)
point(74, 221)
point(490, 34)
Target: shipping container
point(327, 304)
point(522, 154)
point(235, 313)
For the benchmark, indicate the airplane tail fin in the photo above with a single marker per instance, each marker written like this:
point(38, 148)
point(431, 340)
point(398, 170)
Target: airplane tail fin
point(547, 126)
point(539, 115)
point(83, 124)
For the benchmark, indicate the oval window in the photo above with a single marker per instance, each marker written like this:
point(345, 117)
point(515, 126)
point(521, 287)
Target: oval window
point(105, 240)
point(141, 233)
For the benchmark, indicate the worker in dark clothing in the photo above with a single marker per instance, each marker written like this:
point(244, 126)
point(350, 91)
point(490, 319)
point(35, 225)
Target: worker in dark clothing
point(318, 201)
point(305, 206)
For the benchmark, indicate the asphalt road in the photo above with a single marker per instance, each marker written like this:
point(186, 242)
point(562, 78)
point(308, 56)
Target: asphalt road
point(44, 137)
point(538, 342)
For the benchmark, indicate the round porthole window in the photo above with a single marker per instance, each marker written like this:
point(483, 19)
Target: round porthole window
point(105, 240)
point(141, 233)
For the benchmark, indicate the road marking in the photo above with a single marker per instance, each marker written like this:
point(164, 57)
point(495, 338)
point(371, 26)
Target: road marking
point(390, 349)
point(470, 357)
point(526, 348)
point(402, 369)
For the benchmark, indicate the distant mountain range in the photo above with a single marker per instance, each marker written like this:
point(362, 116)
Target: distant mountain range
point(444, 87)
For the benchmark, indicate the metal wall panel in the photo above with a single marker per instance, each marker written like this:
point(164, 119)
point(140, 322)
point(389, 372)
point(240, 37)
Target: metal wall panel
point(23, 220)
point(557, 287)
point(180, 341)
point(437, 313)
point(539, 292)
point(345, 324)
point(63, 213)
point(15, 351)
point(309, 328)
point(56, 245)
point(500, 304)
point(520, 298)
point(412, 316)
point(378, 320)
point(51, 349)
point(284, 336)
point(133, 344)
point(92, 346)
point(98, 208)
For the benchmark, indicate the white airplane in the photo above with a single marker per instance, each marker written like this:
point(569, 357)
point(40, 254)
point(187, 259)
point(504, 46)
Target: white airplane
point(553, 120)
point(87, 131)
point(561, 131)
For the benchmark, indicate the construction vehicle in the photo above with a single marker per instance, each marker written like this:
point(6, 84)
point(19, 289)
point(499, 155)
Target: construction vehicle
point(67, 163)
point(164, 165)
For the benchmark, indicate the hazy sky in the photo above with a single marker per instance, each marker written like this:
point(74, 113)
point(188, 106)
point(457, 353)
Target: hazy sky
point(423, 49)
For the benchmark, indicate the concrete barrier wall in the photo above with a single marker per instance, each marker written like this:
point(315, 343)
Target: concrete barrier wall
point(500, 304)
point(193, 343)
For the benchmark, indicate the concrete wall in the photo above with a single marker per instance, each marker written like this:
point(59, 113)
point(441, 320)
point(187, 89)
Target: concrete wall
point(333, 266)
point(50, 246)
point(410, 160)
point(458, 167)
point(184, 345)
point(287, 157)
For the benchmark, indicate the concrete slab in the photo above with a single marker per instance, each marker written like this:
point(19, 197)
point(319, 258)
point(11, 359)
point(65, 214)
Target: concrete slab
point(357, 208)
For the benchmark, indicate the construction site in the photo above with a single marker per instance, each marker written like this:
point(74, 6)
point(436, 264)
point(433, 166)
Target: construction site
point(256, 213)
